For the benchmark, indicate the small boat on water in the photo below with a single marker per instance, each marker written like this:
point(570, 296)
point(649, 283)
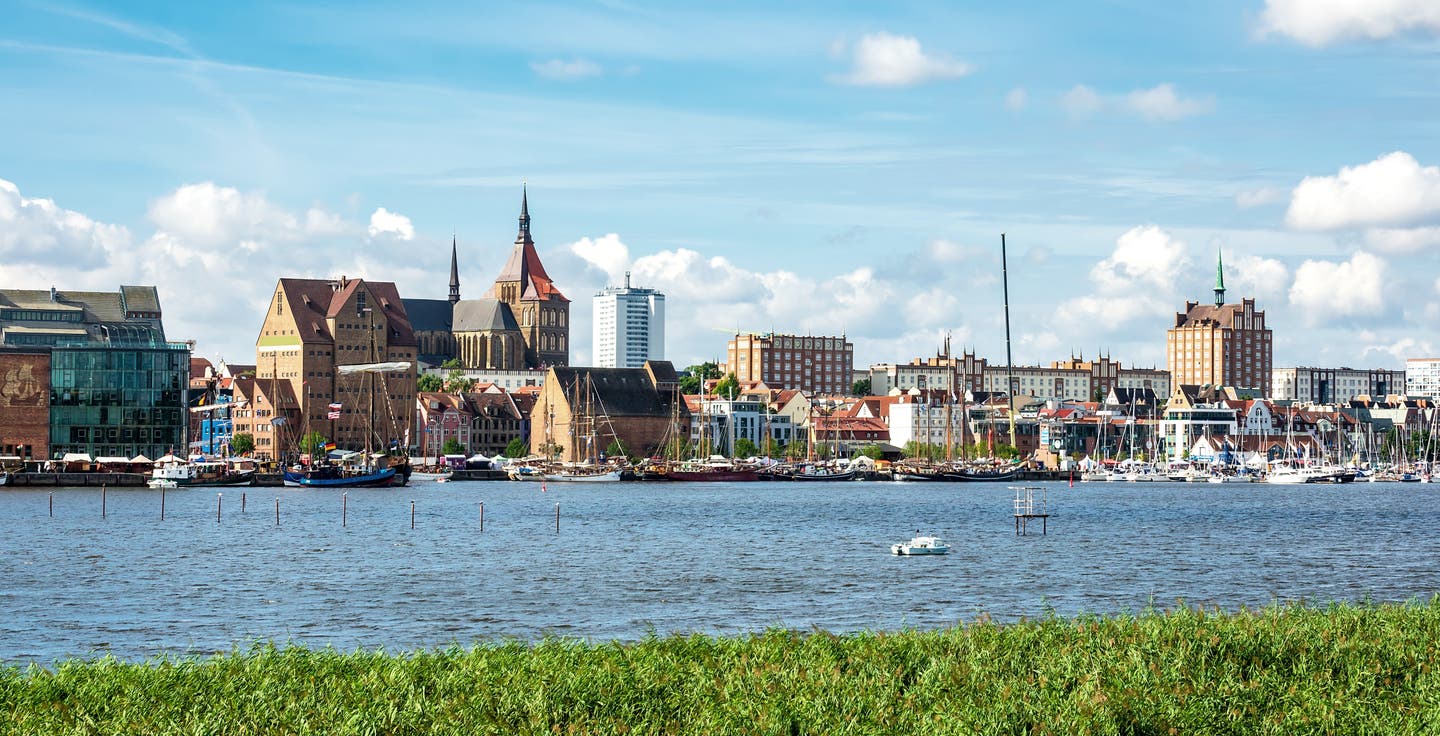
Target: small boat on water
point(921, 546)
point(582, 474)
point(200, 472)
point(436, 475)
point(162, 483)
point(716, 469)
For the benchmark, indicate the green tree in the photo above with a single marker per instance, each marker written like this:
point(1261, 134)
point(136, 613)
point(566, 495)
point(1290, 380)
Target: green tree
point(312, 443)
point(696, 375)
point(861, 387)
point(874, 452)
point(243, 443)
point(551, 449)
point(457, 383)
point(745, 448)
point(451, 364)
point(616, 449)
point(728, 386)
point(518, 447)
point(452, 446)
point(429, 383)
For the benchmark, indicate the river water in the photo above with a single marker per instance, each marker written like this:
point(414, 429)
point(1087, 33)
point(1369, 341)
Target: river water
point(633, 558)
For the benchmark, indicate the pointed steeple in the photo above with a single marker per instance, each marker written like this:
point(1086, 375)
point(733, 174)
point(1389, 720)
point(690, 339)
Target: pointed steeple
point(454, 272)
point(524, 235)
point(1219, 280)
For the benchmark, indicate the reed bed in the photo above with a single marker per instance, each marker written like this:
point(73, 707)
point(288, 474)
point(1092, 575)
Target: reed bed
point(1345, 668)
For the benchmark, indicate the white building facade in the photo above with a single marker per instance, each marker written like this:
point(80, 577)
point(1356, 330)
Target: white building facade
point(629, 326)
point(1422, 377)
point(1335, 385)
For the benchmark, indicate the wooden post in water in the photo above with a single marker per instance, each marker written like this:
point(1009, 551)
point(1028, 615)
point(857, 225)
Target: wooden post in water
point(344, 507)
point(102, 500)
point(412, 513)
point(162, 503)
point(557, 518)
point(482, 516)
point(52, 505)
point(219, 499)
point(242, 502)
point(277, 511)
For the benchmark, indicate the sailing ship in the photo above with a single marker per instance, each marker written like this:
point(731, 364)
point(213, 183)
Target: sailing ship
point(357, 469)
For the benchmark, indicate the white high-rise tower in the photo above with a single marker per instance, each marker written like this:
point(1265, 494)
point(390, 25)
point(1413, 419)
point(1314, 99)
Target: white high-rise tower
point(629, 325)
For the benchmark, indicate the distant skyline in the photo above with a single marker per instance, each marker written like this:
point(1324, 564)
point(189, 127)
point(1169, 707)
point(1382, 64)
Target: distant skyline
point(812, 168)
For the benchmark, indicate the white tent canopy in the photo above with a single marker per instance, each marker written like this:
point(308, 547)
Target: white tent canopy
point(141, 459)
point(113, 460)
point(76, 457)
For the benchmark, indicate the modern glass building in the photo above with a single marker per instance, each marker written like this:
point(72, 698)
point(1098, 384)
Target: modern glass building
point(118, 400)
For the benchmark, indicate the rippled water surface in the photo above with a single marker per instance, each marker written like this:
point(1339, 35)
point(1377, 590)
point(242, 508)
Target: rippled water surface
point(634, 558)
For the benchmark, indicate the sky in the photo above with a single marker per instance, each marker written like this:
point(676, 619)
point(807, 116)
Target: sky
point(799, 167)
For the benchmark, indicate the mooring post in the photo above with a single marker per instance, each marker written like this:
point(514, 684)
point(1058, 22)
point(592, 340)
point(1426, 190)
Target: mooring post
point(102, 500)
point(557, 518)
point(482, 516)
point(219, 498)
point(344, 507)
point(412, 513)
point(277, 511)
point(162, 503)
point(52, 505)
point(242, 502)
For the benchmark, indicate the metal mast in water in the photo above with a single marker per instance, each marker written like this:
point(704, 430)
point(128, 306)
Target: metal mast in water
point(1009, 363)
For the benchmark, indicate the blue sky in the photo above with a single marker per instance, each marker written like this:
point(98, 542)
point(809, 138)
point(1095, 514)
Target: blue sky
point(817, 168)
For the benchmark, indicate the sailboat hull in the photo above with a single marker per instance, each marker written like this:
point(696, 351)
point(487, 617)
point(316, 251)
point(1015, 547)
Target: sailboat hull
point(374, 479)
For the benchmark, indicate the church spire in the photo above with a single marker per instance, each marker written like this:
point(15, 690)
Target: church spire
point(1219, 280)
point(524, 215)
point(454, 272)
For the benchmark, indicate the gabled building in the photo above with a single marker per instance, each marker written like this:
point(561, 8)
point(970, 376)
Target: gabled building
point(1221, 345)
point(314, 334)
point(580, 411)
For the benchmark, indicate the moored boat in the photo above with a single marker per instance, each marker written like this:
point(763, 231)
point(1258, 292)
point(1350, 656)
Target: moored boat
point(921, 546)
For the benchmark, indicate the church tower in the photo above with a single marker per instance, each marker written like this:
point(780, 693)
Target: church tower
point(541, 310)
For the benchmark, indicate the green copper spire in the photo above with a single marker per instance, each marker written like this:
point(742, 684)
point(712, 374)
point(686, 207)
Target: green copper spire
point(1219, 280)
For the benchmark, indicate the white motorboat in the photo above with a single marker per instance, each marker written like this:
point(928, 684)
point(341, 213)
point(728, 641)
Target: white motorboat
point(583, 475)
point(163, 483)
point(921, 546)
point(441, 476)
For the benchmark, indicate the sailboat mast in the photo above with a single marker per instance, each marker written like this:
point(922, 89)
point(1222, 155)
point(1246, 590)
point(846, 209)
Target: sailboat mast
point(1009, 361)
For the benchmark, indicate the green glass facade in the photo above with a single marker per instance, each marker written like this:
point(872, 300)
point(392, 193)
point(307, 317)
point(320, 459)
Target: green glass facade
point(120, 400)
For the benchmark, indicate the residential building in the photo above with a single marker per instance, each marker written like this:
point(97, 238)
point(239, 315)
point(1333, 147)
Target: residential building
point(629, 326)
point(507, 380)
point(522, 323)
point(941, 372)
point(313, 330)
point(807, 363)
point(1422, 377)
point(269, 412)
point(1221, 345)
point(483, 422)
point(930, 417)
point(1333, 385)
point(89, 372)
point(1191, 413)
point(1075, 379)
point(580, 411)
point(718, 423)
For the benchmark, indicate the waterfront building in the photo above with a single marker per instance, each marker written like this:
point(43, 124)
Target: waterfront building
point(942, 372)
point(1221, 345)
point(89, 373)
point(483, 422)
point(506, 380)
point(1422, 378)
point(629, 326)
point(934, 417)
point(1194, 412)
point(806, 363)
point(1333, 385)
point(580, 411)
point(718, 423)
point(313, 328)
point(523, 323)
point(1076, 379)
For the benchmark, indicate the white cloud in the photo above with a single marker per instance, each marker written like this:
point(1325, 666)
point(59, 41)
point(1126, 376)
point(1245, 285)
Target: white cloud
point(1081, 102)
point(886, 60)
point(1321, 22)
point(561, 70)
point(1016, 99)
point(1400, 349)
point(39, 231)
point(1160, 103)
point(1137, 281)
point(1325, 291)
point(385, 222)
point(1254, 276)
point(606, 253)
point(1259, 197)
point(1393, 190)
point(1402, 240)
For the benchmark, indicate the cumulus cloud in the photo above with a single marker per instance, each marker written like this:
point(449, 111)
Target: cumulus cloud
point(1137, 280)
point(211, 215)
point(1161, 104)
point(1325, 291)
point(606, 253)
point(886, 60)
point(1401, 349)
point(1322, 22)
point(1262, 278)
point(385, 222)
point(1080, 102)
point(565, 71)
point(1393, 190)
point(1016, 99)
point(1402, 240)
point(40, 231)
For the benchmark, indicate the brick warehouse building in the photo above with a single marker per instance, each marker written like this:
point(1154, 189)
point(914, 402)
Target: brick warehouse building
point(1220, 345)
point(823, 365)
point(312, 328)
point(637, 406)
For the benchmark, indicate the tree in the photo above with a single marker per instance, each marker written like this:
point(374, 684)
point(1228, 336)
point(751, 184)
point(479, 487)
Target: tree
point(429, 383)
point(312, 443)
point(457, 383)
point(243, 443)
point(453, 447)
point(861, 387)
point(518, 447)
point(874, 452)
point(728, 386)
point(745, 448)
point(551, 449)
point(451, 364)
point(616, 449)
point(696, 375)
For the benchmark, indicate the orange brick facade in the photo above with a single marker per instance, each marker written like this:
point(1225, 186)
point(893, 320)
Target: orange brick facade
point(25, 404)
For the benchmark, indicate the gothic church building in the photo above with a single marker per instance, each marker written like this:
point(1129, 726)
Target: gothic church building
point(523, 323)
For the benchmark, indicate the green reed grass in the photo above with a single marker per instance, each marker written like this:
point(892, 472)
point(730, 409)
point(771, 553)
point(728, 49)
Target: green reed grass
point(1346, 668)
